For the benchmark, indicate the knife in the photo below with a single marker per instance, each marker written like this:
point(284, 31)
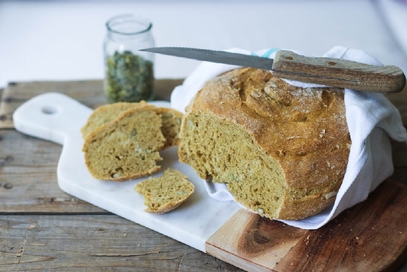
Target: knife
point(320, 70)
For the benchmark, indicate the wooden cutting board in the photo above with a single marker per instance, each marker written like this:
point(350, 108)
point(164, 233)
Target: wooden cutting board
point(371, 236)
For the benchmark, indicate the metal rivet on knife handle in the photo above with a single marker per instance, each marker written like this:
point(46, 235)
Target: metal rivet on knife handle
point(339, 73)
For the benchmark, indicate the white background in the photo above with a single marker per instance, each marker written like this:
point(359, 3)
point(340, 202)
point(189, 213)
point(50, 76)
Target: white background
point(62, 40)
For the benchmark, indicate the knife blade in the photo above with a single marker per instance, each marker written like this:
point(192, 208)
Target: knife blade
point(319, 70)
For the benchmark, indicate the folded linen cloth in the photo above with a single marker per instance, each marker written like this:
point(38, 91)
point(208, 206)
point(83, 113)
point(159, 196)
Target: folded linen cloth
point(371, 120)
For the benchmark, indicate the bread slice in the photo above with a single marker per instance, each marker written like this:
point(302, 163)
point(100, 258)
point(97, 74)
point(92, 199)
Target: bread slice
point(126, 148)
point(165, 193)
point(105, 114)
point(171, 119)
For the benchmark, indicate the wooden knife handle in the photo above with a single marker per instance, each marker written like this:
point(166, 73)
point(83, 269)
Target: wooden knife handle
point(338, 73)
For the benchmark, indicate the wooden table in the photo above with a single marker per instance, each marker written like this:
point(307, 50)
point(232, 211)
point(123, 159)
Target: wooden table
point(42, 228)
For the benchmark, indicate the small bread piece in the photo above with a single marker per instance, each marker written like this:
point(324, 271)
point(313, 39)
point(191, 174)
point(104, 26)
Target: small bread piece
point(165, 193)
point(126, 148)
point(105, 114)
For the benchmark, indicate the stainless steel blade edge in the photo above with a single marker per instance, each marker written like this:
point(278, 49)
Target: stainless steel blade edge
point(214, 56)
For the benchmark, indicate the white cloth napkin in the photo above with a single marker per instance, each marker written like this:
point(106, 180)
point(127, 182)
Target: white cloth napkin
point(371, 118)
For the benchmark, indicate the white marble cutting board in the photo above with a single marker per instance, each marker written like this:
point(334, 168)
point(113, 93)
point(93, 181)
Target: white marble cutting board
point(58, 118)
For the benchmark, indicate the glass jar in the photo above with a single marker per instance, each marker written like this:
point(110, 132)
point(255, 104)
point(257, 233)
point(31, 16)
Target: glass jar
point(129, 73)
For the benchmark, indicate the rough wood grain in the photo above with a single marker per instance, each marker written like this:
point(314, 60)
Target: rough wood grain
point(258, 244)
point(339, 73)
point(28, 180)
point(94, 243)
point(370, 236)
point(42, 228)
point(27, 190)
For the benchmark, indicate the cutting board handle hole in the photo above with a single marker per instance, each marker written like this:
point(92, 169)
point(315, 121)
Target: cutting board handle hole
point(49, 110)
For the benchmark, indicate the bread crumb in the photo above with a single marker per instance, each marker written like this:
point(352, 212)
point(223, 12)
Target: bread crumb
point(330, 195)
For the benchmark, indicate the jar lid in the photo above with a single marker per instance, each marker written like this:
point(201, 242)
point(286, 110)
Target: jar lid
point(128, 24)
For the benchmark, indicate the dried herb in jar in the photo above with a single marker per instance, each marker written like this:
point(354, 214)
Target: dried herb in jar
point(129, 78)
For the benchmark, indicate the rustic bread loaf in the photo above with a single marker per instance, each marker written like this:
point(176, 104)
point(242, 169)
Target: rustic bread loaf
point(127, 147)
point(171, 119)
point(281, 150)
point(165, 193)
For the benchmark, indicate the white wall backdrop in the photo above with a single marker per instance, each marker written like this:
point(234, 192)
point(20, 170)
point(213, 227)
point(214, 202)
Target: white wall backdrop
point(62, 40)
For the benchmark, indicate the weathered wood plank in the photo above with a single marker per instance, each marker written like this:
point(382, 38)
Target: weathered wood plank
point(88, 92)
point(252, 242)
point(369, 236)
point(26, 189)
point(28, 181)
point(94, 243)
